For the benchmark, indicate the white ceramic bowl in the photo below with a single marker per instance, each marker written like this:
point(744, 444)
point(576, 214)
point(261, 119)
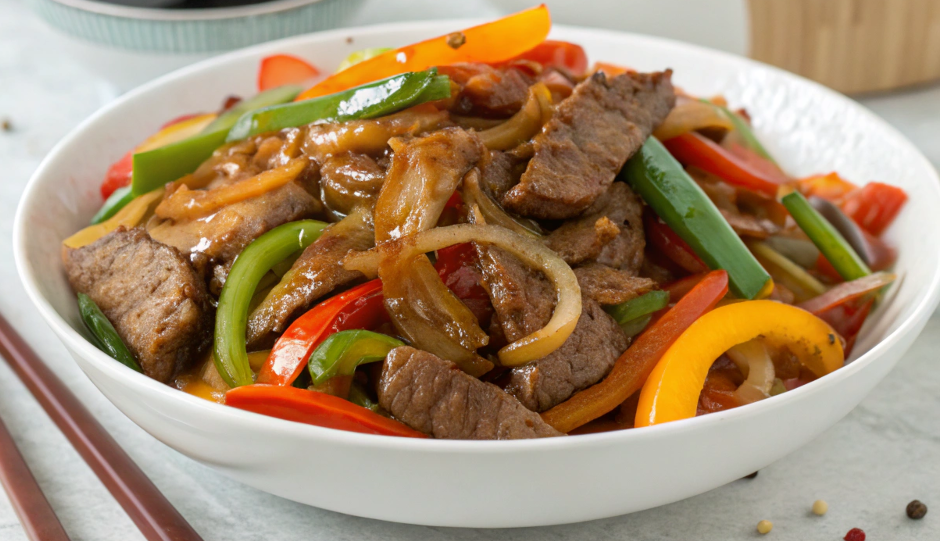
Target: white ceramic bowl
point(497, 483)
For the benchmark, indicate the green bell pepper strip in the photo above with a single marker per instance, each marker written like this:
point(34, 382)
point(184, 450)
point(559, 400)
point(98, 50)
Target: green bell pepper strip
point(824, 235)
point(367, 101)
point(106, 337)
point(154, 168)
point(231, 320)
point(681, 203)
point(116, 201)
point(359, 397)
point(342, 352)
point(745, 131)
point(635, 326)
point(638, 307)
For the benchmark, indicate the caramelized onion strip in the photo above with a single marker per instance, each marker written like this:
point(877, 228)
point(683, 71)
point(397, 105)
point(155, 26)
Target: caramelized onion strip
point(523, 125)
point(529, 250)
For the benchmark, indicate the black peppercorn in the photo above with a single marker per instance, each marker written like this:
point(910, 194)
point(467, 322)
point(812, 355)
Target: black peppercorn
point(916, 510)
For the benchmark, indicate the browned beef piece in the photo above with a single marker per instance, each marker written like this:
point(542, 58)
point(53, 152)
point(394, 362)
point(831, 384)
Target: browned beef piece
point(583, 360)
point(316, 272)
point(523, 301)
point(499, 172)
point(607, 285)
point(350, 180)
point(488, 91)
point(212, 243)
point(610, 232)
point(434, 396)
point(589, 138)
point(152, 296)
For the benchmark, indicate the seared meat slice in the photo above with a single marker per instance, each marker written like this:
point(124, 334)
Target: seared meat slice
point(315, 273)
point(607, 285)
point(152, 296)
point(499, 172)
point(488, 91)
point(523, 301)
point(587, 141)
point(610, 231)
point(434, 396)
point(585, 357)
point(213, 242)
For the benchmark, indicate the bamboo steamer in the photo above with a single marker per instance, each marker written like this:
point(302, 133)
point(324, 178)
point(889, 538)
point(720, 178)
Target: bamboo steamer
point(852, 46)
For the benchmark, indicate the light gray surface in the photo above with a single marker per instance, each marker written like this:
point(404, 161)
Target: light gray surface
point(867, 467)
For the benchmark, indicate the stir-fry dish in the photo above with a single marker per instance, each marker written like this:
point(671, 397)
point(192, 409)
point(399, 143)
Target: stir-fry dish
point(477, 236)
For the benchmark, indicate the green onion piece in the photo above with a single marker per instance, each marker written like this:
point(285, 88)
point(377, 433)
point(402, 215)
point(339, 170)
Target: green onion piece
point(635, 326)
point(744, 131)
point(154, 168)
point(231, 320)
point(115, 202)
point(106, 337)
point(360, 56)
point(342, 352)
point(803, 284)
point(638, 307)
point(829, 241)
point(680, 202)
point(370, 100)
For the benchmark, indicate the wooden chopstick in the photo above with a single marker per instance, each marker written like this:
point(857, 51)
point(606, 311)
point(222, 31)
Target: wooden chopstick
point(156, 518)
point(31, 506)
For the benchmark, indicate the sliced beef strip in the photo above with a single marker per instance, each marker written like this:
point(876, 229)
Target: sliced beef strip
point(213, 242)
point(488, 91)
point(499, 172)
point(589, 138)
point(607, 285)
point(610, 231)
point(150, 293)
point(583, 360)
point(434, 396)
point(316, 272)
point(523, 301)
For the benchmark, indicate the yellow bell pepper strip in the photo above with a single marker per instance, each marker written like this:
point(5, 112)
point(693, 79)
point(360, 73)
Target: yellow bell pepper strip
point(231, 321)
point(154, 166)
point(342, 352)
point(367, 101)
point(360, 56)
point(671, 392)
point(681, 203)
point(824, 235)
point(130, 216)
point(492, 42)
point(634, 366)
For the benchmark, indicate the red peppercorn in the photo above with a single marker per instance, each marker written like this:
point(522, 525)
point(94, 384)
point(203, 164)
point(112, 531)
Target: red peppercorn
point(855, 534)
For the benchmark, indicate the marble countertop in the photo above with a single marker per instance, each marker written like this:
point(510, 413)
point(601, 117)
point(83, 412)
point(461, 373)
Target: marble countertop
point(867, 467)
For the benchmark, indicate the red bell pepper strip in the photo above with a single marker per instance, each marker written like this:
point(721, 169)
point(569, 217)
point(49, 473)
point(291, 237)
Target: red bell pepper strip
point(874, 206)
point(664, 239)
point(491, 42)
point(693, 149)
point(831, 187)
point(558, 54)
point(358, 308)
point(847, 319)
point(632, 369)
point(681, 287)
point(457, 268)
point(118, 176)
point(283, 69)
point(315, 408)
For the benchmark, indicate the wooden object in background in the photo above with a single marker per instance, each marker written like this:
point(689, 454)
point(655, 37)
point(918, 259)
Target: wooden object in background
point(849, 45)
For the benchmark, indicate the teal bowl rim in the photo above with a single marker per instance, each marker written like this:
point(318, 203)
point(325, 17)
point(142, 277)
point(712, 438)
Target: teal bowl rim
point(197, 31)
point(157, 14)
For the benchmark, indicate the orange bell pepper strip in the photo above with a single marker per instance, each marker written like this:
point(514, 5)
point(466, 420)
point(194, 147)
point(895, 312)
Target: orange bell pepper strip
point(672, 391)
point(635, 365)
point(692, 149)
point(831, 187)
point(315, 408)
point(492, 42)
point(284, 69)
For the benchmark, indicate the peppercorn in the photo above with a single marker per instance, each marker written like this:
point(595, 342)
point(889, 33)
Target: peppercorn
point(820, 507)
point(764, 527)
point(916, 510)
point(855, 534)
point(456, 40)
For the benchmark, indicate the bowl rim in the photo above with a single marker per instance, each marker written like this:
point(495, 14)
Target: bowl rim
point(181, 15)
point(128, 377)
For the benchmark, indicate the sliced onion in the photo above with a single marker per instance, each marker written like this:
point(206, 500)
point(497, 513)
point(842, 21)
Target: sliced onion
point(847, 291)
point(755, 363)
point(523, 125)
point(530, 251)
point(492, 212)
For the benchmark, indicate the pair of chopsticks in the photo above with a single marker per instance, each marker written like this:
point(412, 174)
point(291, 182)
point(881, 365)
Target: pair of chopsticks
point(153, 514)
